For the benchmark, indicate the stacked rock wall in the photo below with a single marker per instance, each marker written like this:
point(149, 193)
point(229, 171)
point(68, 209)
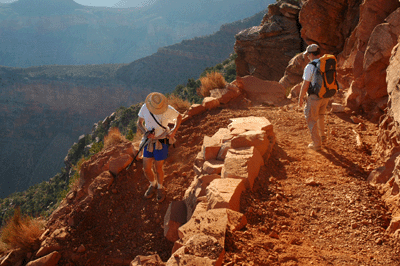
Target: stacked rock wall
point(227, 164)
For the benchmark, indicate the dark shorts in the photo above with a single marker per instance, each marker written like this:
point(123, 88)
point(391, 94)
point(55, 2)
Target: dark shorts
point(158, 155)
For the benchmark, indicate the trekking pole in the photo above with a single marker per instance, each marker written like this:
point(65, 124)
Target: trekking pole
point(140, 148)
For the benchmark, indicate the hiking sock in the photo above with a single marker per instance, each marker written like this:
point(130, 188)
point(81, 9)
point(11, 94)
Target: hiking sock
point(154, 183)
point(160, 186)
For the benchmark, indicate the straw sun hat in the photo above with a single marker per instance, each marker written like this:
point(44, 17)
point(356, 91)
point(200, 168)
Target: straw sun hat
point(157, 103)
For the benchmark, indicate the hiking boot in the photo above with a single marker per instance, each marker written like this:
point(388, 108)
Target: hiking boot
point(313, 147)
point(160, 194)
point(150, 192)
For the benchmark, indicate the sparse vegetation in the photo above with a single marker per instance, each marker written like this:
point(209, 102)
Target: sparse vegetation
point(212, 80)
point(37, 200)
point(178, 103)
point(126, 119)
point(21, 231)
point(188, 92)
point(191, 92)
point(113, 138)
point(73, 180)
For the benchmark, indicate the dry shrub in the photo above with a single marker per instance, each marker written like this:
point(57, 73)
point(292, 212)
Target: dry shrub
point(21, 232)
point(213, 80)
point(179, 104)
point(3, 248)
point(113, 138)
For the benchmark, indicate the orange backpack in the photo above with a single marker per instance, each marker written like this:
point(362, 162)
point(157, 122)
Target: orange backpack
point(326, 85)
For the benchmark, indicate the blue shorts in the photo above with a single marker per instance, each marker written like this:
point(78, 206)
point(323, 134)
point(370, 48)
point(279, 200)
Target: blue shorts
point(158, 155)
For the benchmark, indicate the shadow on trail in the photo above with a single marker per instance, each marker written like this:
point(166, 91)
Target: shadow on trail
point(352, 169)
point(274, 168)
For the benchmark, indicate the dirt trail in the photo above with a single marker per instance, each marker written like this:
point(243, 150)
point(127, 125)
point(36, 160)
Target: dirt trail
point(314, 208)
point(335, 218)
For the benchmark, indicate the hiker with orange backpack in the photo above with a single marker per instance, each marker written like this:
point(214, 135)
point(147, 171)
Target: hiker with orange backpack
point(154, 117)
point(319, 81)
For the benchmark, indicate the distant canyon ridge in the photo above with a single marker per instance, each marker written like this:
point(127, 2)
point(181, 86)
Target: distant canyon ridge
point(45, 108)
point(62, 32)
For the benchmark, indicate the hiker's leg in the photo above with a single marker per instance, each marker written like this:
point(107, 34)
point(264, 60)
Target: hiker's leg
point(311, 113)
point(160, 172)
point(321, 117)
point(160, 156)
point(148, 171)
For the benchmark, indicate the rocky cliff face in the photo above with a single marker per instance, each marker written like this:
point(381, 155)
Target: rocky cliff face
point(265, 50)
point(366, 55)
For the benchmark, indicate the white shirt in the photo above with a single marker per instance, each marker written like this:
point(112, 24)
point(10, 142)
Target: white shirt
point(164, 119)
point(309, 72)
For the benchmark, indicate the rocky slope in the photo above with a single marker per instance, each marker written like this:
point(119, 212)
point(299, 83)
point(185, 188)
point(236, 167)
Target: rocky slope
point(304, 208)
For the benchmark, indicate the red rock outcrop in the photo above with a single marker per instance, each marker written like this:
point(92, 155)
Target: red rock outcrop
point(387, 177)
point(277, 39)
point(366, 55)
point(331, 23)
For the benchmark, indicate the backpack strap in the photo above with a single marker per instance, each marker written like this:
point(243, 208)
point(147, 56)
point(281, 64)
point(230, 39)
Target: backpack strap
point(167, 140)
point(310, 88)
point(157, 121)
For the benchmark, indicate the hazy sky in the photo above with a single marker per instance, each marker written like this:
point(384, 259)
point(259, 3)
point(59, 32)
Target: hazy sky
point(107, 3)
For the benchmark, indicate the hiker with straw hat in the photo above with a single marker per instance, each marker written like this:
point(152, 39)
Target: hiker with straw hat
point(154, 117)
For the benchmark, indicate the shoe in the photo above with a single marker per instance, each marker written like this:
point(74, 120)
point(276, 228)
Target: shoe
point(150, 192)
point(313, 147)
point(160, 195)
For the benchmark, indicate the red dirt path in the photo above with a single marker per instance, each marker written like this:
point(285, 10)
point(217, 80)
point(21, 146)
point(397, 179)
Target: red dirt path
point(336, 220)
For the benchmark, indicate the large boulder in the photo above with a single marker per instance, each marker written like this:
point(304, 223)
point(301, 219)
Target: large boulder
point(332, 22)
point(369, 85)
point(258, 46)
point(175, 216)
point(258, 139)
point(48, 260)
point(196, 190)
point(212, 223)
point(225, 193)
point(117, 157)
point(389, 132)
point(250, 123)
point(226, 94)
point(260, 91)
point(198, 250)
point(243, 163)
point(210, 148)
point(294, 73)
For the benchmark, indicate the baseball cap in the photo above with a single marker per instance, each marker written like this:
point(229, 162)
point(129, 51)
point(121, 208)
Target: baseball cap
point(311, 48)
